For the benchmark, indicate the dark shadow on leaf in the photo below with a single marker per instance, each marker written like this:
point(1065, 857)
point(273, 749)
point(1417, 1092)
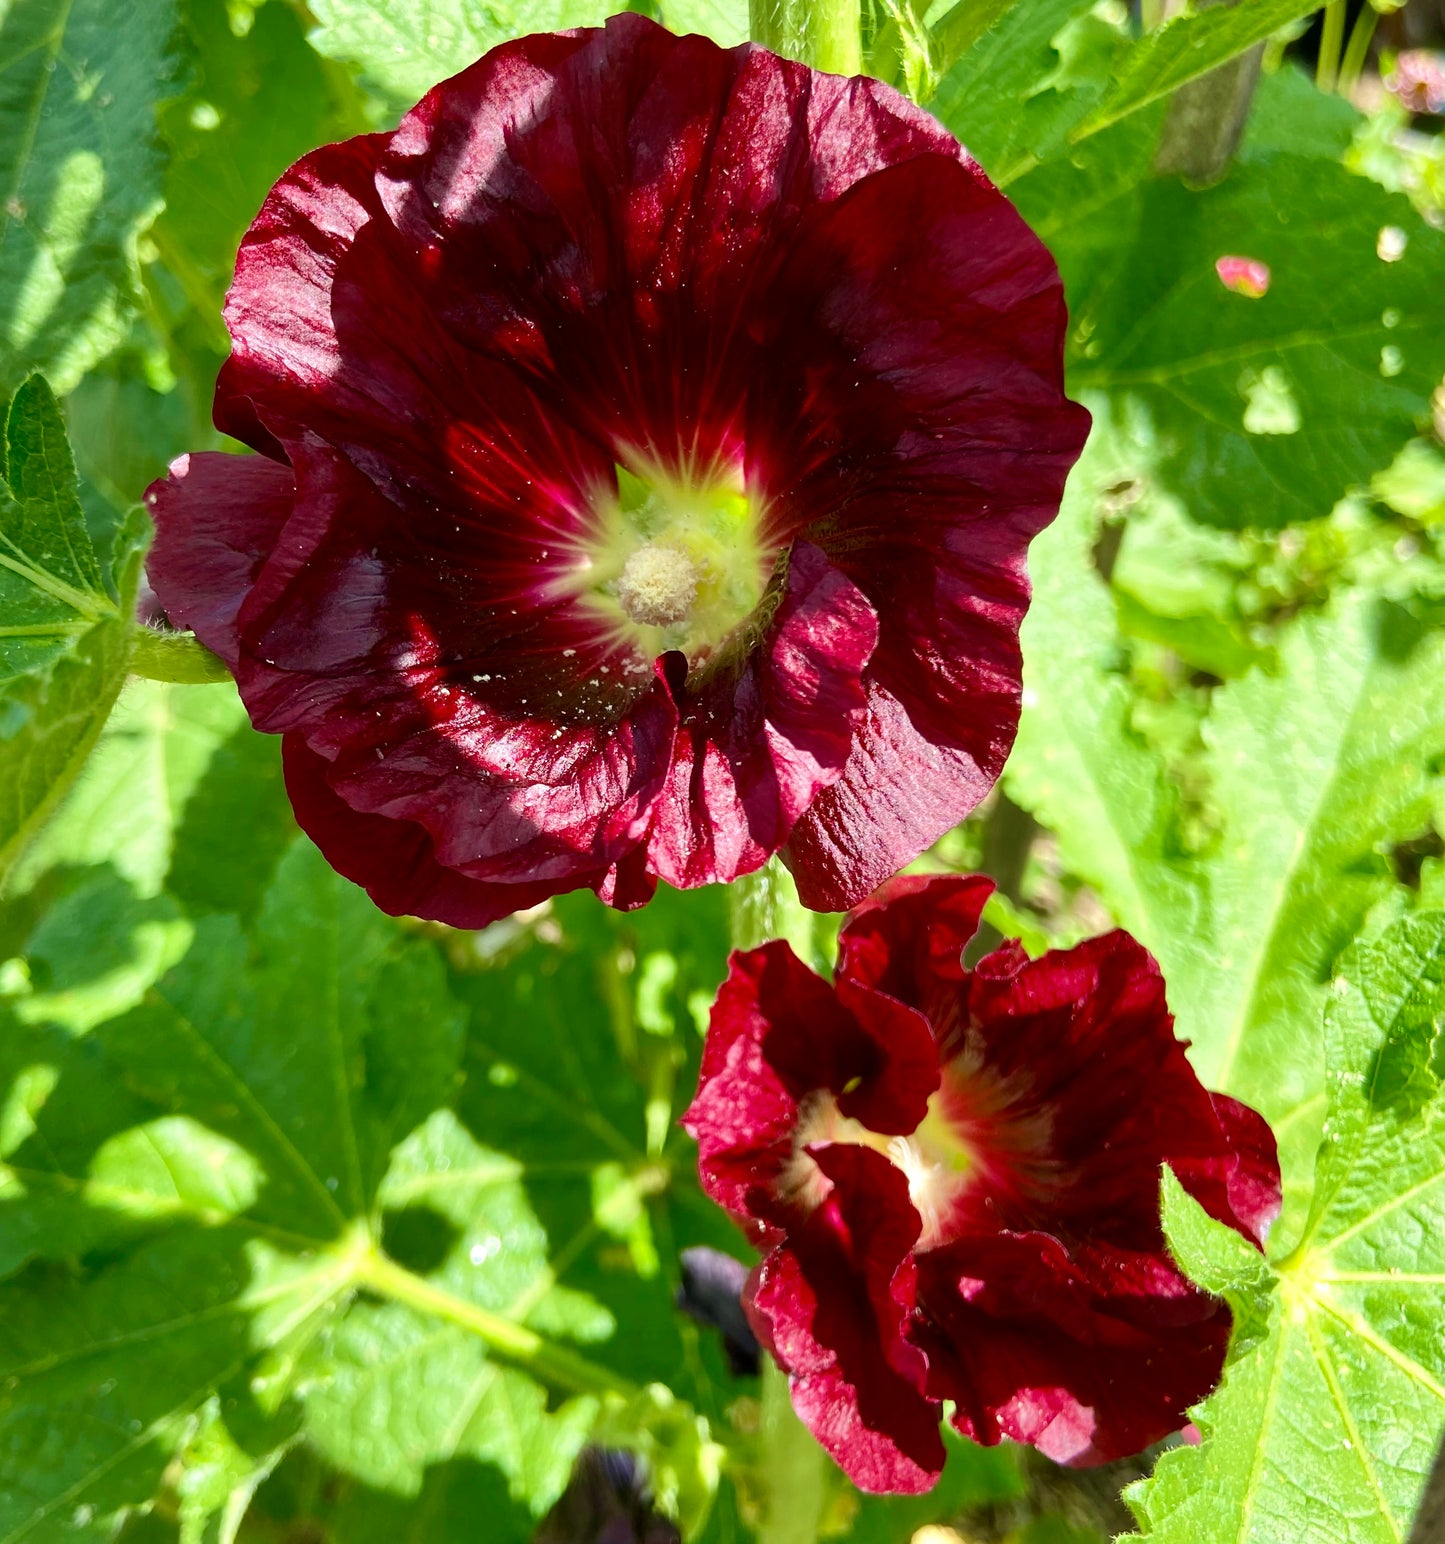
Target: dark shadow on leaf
point(418, 1238)
point(236, 826)
point(462, 1501)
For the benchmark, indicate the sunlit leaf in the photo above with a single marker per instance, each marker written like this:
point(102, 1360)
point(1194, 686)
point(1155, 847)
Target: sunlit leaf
point(1334, 1397)
point(82, 168)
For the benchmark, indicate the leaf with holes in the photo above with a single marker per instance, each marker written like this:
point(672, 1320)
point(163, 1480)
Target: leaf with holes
point(1333, 1399)
point(1268, 409)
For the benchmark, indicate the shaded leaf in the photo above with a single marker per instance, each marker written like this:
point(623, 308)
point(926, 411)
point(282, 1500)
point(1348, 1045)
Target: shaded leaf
point(65, 635)
point(82, 170)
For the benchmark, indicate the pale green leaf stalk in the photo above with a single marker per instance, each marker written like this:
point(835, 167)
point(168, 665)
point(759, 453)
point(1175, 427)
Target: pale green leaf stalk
point(823, 33)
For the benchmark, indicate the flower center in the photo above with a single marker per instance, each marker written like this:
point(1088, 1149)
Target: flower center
point(657, 586)
point(936, 1160)
point(673, 560)
point(980, 1130)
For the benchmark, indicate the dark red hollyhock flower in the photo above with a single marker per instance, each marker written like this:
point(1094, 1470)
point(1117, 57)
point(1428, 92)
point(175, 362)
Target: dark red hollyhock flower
point(650, 438)
point(955, 1175)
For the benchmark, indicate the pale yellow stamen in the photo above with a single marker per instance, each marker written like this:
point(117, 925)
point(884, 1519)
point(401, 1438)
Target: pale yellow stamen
point(657, 586)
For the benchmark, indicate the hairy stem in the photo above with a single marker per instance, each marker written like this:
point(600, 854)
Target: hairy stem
point(765, 905)
point(176, 657)
point(794, 1468)
point(824, 33)
point(1207, 116)
point(1332, 36)
point(512, 1342)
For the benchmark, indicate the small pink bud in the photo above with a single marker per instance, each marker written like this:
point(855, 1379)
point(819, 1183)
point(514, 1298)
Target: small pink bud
point(1418, 80)
point(1244, 275)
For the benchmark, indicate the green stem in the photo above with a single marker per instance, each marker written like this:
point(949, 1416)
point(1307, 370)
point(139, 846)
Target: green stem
point(1358, 49)
point(765, 905)
point(174, 657)
point(513, 1342)
point(824, 33)
point(1327, 72)
point(794, 1468)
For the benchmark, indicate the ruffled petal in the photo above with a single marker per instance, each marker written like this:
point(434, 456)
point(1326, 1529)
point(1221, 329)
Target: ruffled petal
point(506, 789)
point(615, 247)
point(217, 517)
point(759, 740)
point(1089, 1358)
point(1085, 1041)
point(908, 939)
point(939, 441)
point(395, 863)
point(834, 1302)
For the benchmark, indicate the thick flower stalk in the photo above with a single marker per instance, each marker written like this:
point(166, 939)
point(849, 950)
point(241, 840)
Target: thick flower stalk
point(954, 1177)
point(649, 441)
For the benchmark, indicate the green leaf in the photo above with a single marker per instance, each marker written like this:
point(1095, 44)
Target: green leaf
point(1216, 1258)
point(1077, 764)
point(65, 634)
point(81, 169)
point(1312, 772)
point(1326, 1424)
point(175, 776)
point(1185, 47)
point(1267, 410)
point(272, 1076)
point(402, 48)
point(1022, 86)
point(288, 1192)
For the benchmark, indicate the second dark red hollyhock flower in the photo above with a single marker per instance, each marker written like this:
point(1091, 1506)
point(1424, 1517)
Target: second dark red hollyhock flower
point(954, 1175)
point(650, 437)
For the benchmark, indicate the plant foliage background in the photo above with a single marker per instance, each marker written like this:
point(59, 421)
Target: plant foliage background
point(317, 1225)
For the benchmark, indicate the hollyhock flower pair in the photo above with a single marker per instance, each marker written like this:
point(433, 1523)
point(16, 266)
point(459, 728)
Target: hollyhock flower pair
point(954, 1175)
point(649, 437)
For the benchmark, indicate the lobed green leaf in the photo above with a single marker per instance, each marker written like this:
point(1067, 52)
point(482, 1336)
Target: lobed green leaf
point(1333, 1400)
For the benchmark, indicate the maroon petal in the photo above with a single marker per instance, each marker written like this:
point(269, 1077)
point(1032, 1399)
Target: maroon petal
point(941, 360)
point(764, 734)
point(744, 1113)
point(908, 939)
point(394, 861)
point(1089, 1358)
point(217, 517)
point(506, 791)
point(834, 1302)
point(1087, 1034)
point(1247, 1166)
